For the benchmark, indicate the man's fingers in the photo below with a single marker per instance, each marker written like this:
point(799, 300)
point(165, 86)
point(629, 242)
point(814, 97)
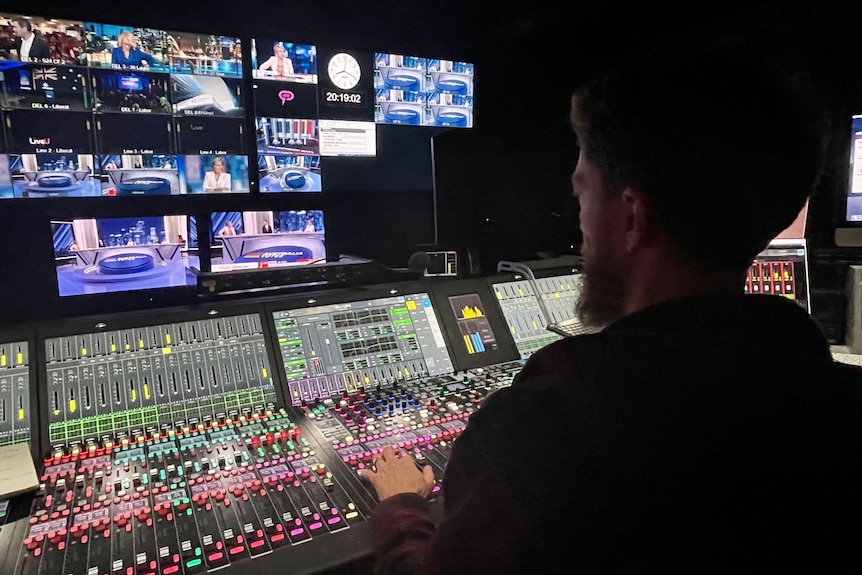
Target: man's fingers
point(428, 473)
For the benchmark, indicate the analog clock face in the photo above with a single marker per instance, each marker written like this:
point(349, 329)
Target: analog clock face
point(344, 71)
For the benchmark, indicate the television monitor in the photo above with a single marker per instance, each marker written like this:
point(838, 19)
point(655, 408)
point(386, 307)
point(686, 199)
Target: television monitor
point(287, 136)
point(345, 345)
point(213, 173)
point(283, 61)
point(52, 175)
point(289, 173)
point(45, 87)
point(48, 132)
point(131, 92)
point(450, 95)
point(401, 87)
point(279, 100)
point(204, 54)
point(122, 254)
point(417, 91)
point(210, 135)
point(125, 47)
point(138, 174)
point(263, 239)
point(347, 138)
point(55, 41)
point(135, 134)
point(194, 95)
point(854, 184)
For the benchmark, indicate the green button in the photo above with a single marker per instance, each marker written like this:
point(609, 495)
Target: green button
point(193, 563)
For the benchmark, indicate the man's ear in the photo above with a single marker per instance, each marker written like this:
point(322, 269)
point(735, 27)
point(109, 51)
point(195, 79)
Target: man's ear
point(639, 226)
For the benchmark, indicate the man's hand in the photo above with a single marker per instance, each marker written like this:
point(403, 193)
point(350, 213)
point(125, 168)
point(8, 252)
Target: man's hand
point(391, 474)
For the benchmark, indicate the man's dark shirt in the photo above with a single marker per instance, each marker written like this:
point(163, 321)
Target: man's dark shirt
point(39, 49)
point(704, 435)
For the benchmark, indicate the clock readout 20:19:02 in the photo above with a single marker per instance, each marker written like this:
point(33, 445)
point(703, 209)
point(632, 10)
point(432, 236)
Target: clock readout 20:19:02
point(355, 98)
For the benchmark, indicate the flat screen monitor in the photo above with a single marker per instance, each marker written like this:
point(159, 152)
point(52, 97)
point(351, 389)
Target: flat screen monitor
point(854, 184)
point(347, 138)
point(204, 54)
point(327, 350)
point(120, 47)
point(124, 175)
point(477, 331)
point(134, 92)
point(56, 87)
point(109, 255)
point(53, 175)
point(525, 315)
point(54, 41)
point(265, 239)
point(419, 91)
point(275, 59)
point(213, 173)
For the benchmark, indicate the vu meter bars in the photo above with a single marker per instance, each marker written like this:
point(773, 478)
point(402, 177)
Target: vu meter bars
point(520, 306)
point(158, 379)
point(334, 349)
point(14, 393)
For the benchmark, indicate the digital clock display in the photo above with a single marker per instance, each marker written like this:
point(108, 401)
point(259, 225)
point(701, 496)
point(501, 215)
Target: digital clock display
point(351, 98)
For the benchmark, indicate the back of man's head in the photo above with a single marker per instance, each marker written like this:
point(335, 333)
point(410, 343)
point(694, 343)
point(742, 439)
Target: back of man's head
point(725, 145)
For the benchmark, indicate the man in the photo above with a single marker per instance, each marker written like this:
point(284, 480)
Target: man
point(266, 228)
point(702, 430)
point(31, 47)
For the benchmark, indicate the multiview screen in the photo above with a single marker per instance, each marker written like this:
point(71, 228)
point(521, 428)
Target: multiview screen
point(418, 91)
point(94, 109)
point(264, 239)
point(104, 255)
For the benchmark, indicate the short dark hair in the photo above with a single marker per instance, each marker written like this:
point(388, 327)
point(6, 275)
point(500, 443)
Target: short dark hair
point(727, 145)
point(24, 22)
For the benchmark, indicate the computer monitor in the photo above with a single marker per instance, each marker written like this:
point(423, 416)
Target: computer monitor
point(107, 255)
point(419, 91)
point(338, 347)
point(266, 239)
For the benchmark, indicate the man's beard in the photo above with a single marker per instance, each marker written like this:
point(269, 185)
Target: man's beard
point(600, 301)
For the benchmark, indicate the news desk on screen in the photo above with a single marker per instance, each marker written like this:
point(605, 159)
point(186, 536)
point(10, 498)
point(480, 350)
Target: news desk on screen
point(286, 247)
point(162, 252)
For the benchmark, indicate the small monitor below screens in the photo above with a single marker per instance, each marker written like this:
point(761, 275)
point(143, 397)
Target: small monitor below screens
point(347, 138)
point(105, 255)
point(266, 239)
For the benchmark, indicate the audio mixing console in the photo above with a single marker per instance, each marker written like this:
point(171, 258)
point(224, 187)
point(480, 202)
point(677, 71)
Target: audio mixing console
point(204, 440)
